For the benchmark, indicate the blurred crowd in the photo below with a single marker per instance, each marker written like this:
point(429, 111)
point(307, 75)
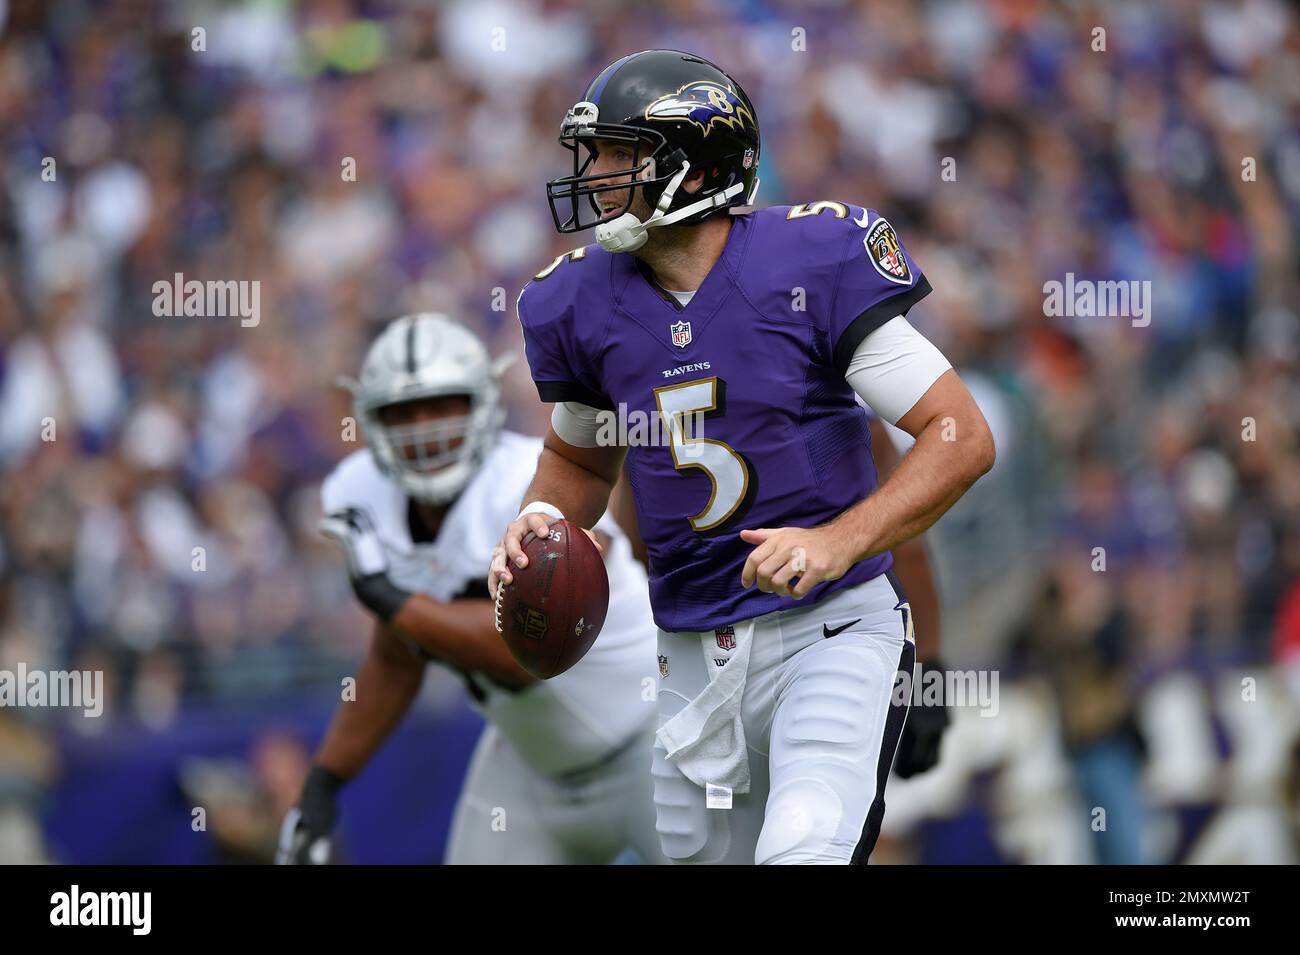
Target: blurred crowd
point(361, 159)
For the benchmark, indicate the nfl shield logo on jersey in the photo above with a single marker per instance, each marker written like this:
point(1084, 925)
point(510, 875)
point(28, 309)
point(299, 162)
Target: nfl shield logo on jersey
point(681, 334)
point(726, 637)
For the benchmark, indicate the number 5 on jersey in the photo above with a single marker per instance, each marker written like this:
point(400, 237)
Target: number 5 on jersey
point(726, 468)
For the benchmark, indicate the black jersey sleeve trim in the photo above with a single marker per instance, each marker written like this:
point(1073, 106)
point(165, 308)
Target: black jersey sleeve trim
point(556, 391)
point(874, 317)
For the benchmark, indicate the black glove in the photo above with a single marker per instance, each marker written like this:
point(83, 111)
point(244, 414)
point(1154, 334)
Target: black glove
point(918, 749)
point(367, 561)
point(305, 834)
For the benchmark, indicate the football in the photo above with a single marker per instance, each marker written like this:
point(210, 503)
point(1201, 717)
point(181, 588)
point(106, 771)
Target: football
point(552, 611)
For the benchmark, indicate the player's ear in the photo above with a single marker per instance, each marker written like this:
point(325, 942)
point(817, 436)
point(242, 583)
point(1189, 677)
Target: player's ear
point(693, 181)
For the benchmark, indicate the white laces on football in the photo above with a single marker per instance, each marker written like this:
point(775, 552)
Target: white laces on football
point(627, 233)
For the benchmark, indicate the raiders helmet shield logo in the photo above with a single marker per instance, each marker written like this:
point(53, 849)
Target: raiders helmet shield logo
point(886, 254)
point(681, 334)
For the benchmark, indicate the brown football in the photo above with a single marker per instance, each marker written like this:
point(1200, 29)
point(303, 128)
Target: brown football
point(552, 611)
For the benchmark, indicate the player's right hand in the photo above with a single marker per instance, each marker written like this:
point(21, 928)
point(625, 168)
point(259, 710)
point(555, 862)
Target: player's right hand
point(510, 552)
point(305, 835)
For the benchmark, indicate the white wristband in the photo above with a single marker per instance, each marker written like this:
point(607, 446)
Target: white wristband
point(541, 507)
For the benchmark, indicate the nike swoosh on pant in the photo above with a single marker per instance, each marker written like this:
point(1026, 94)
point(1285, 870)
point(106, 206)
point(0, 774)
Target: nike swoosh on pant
point(828, 632)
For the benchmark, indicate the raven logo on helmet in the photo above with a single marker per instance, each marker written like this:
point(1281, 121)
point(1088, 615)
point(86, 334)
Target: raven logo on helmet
point(704, 104)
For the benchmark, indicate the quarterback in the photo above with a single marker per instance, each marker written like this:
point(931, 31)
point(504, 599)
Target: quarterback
point(782, 628)
point(559, 774)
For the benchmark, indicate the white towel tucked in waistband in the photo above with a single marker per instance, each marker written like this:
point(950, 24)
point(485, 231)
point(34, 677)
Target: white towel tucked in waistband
point(706, 739)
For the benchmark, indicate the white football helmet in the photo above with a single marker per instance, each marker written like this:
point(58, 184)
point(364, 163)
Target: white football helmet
point(425, 356)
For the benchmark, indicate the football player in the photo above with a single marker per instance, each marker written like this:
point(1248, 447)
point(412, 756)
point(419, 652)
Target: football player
point(559, 775)
point(783, 630)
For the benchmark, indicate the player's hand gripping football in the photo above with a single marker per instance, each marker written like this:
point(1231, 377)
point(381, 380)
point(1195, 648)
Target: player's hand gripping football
point(811, 554)
point(510, 551)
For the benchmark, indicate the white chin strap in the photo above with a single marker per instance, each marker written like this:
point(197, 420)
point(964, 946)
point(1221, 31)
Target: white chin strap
point(627, 233)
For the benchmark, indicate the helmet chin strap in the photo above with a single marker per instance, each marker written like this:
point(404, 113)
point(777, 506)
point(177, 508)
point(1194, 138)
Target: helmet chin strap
point(627, 233)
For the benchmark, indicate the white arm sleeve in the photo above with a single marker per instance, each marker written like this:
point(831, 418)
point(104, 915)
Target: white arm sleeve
point(575, 423)
point(893, 367)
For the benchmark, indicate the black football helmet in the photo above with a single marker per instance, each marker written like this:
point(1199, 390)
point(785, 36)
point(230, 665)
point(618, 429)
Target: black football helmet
point(680, 114)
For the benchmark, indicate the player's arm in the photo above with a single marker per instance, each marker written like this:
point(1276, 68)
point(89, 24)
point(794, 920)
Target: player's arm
point(577, 480)
point(911, 559)
point(461, 633)
point(622, 505)
point(918, 748)
point(953, 448)
point(387, 682)
point(575, 472)
point(573, 481)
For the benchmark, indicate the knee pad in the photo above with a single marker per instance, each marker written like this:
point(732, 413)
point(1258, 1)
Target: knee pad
point(801, 825)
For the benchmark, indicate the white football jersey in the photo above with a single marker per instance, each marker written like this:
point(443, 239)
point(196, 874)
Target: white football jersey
point(577, 718)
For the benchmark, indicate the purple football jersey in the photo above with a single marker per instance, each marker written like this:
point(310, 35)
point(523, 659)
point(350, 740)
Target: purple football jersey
point(766, 431)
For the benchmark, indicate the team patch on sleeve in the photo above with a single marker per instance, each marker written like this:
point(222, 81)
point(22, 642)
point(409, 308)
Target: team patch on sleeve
point(886, 253)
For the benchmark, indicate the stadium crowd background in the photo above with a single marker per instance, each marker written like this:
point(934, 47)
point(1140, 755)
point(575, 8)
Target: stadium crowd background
point(1172, 156)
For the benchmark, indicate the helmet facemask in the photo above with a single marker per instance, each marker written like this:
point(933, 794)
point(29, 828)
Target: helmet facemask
point(653, 167)
point(434, 460)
